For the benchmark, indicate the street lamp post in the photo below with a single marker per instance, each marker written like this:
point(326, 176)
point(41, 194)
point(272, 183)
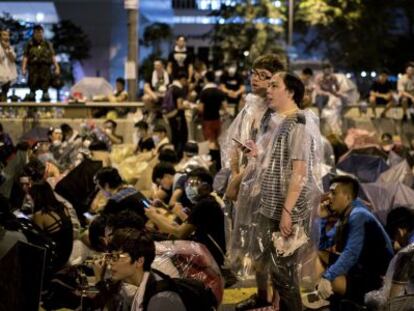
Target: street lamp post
point(131, 68)
point(290, 29)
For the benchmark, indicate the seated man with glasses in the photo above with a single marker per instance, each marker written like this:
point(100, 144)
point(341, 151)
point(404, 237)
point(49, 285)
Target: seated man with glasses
point(131, 254)
point(206, 220)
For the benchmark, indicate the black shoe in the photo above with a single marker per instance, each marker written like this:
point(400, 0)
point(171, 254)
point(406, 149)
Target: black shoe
point(46, 98)
point(31, 97)
point(404, 118)
point(253, 302)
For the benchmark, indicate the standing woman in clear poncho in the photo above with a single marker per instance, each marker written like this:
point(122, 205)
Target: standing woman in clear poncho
point(288, 181)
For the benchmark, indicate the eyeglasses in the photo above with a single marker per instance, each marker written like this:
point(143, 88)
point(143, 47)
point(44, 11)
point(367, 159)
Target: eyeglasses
point(262, 76)
point(115, 256)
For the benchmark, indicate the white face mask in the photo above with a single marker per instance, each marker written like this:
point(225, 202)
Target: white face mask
point(232, 71)
point(156, 139)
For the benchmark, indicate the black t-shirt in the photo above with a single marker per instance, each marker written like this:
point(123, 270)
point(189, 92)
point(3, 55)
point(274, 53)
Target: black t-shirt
point(180, 61)
point(232, 83)
point(212, 98)
point(208, 218)
point(145, 144)
point(382, 88)
point(126, 199)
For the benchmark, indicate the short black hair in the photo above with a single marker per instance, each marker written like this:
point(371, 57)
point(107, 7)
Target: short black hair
point(307, 71)
point(126, 219)
point(38, 28)
point(350, 183)
point(66, 128)
point(121, 81)
point(386, 136)
point(202, 174)
point(162, 169)
point(113, 123)
point(136, 243)
point(180, 36)
point(384, 71)
point(327, 66)
point(210, 76)
point(141, 125)
point(159, 128)
point(110, 176)
point(96, 231)
point(409, 64)
point(35, 169)
point(181, 75)
point(168, 155)
point(191, 147)
point(294, 85)
point(23, 146)
point(269, 62)
point(1, 127)
point(98, 145)
point(400, 217)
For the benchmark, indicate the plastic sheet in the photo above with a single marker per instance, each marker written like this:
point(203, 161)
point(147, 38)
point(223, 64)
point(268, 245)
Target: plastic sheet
point(120, 152)
point(131, 168)
point(397, 292)
point(243, 128)
point(400, 172)
point(190, 260)
point(359, 138)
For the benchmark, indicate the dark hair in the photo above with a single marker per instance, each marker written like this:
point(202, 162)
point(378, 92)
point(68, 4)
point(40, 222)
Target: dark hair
point(386, 136)
point(181, 75)
point(141, 125)
point(136, 243)
point(23, 146)
point(96, 231)
point(269, 62)
point(384, 71)
point(191, 147)
point(202, 174)
point(162, 169)
point(210, 76)
point(400, 218)
point(110, 176)
point(38, 28)
point(98, 145)
point(35, 169)
point(1, 127)
point(327, 66)
point(126, 219)
point(121, 81)
point(409, 64)
point(44, 198)
point(295, 86)
point(66, 129)
point(168, 155)
point(307, 71)
point(114, 124)
point(159, 128)
point(180, 36)
point(349, 182)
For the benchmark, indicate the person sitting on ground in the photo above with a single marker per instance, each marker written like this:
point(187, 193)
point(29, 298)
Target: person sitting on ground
point(163, 177)
point(381, 93)
point(131, 255)
point(156, 86)
point(160, 137)
point(399, 280)
point(405, 87)
point(355, 253)
point(388, 145)
point(145, 141)
point(110, 130)
point(120, 196)
point(206, 219)
point(52, 218)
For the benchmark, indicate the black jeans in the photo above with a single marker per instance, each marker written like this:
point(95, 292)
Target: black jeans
point(4, 90)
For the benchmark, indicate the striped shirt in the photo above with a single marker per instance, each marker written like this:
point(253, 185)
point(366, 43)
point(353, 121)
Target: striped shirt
point(292, 142)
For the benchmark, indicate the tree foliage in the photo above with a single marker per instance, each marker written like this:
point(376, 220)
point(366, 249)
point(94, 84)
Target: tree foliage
point(359, 34)
point(247, 25)
point(155, 34)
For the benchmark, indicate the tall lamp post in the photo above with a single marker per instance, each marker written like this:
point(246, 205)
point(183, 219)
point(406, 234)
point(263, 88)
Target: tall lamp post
point(290, 29)
point(131, 68)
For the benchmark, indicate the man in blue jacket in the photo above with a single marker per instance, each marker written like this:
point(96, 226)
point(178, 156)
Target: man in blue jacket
point(356, 251)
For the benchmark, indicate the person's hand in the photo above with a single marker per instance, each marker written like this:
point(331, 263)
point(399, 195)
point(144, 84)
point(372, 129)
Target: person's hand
point(99, 269)
point(24, 71)
point(178, 208)
point(251, 150)
point(285, 225)
point(151, 212)
point(324, 211)
point(324, 287)
point(57, 70)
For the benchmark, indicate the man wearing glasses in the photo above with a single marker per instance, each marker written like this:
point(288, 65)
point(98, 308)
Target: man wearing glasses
point(131, 254)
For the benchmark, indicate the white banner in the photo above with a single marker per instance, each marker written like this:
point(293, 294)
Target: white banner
point(130, 70)
point(131, 4)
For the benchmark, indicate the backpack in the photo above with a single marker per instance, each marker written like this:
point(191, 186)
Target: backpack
point(168, 104)
point(193, 293)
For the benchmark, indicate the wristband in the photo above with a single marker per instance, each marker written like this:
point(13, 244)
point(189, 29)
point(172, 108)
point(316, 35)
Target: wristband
point(287, 211)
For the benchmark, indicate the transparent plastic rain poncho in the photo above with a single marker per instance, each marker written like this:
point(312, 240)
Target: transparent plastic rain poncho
point(188, 259)
point(249, 202)
point(244, 127)
point(397, 293)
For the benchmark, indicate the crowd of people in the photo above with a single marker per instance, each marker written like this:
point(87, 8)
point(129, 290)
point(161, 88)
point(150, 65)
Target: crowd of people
point(255, 201)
